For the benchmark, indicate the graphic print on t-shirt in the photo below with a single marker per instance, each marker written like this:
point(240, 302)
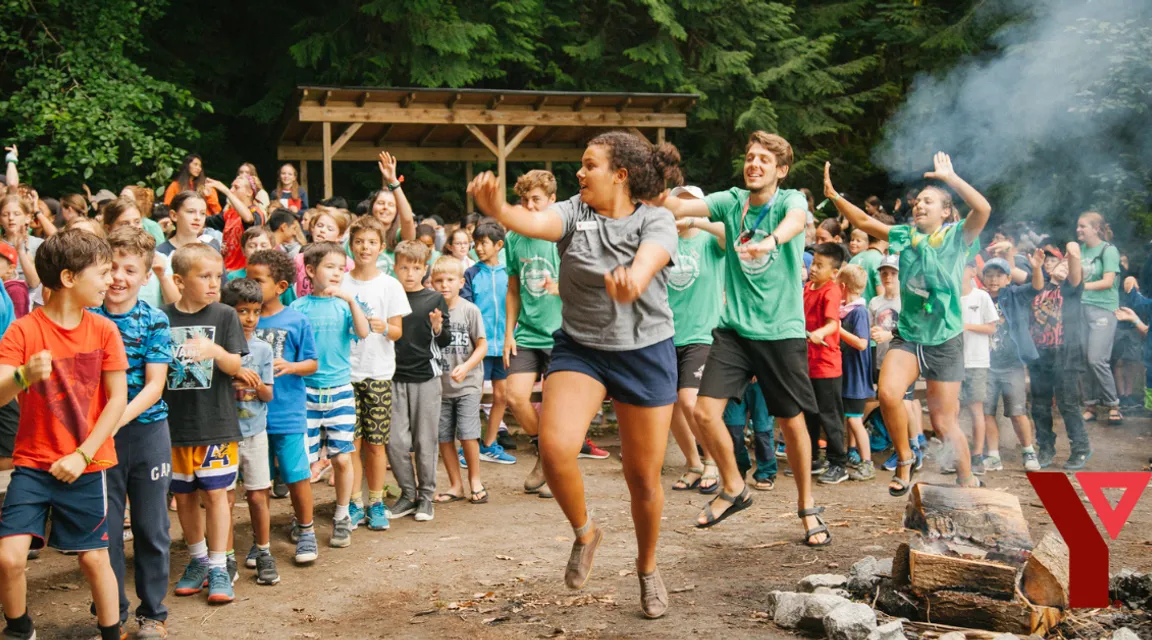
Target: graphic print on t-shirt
point(70, 389)
point(683, 273)
point(887, 319)
point(1000, 338)
point(185, 374)
point(276, 338)
point(756, 266)
point(535, 273)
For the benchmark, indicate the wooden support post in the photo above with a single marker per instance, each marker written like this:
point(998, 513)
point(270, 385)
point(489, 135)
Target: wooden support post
point(345, 137)
point(304, 174)
point(660, 135)
point(548, 166)
point(327, 127)
point(468, 174)
point(501, 158)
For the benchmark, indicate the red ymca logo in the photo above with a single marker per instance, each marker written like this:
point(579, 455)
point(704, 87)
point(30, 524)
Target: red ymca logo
point(1087, 550)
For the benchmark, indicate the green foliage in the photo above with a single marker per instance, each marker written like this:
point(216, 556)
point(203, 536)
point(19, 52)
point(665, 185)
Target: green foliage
point(77, 104)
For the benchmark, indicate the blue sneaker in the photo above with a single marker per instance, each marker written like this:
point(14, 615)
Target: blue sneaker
point(495, 453)
point(854, 458)
point(356, 513)
point(306, 547)
point(890, 463)
point(250, 559)
point(220, 586)
point(377, 517)
point(919, 453)
point(195, 578)
point(460, 454)
point(780, 451)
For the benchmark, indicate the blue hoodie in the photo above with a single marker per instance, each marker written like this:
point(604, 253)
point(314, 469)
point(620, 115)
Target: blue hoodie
point(487, 287)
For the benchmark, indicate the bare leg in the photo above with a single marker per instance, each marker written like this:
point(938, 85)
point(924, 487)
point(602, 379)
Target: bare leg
point(105, 591)
point(342, 474)
point(191, 521)
point(358, 468)
point(301, 493)
point(979, 432)
point(452, 467)
point(714, 437)
point(496, 416)
point(855, 427)
point(682, 431)
point(520, 402)
point(798, 445)
point(375, 466)
point(13, 583)
point(992, 429)
point(472, 457)
point(644, 438)
point(944, 411)
point(570, 401)
point(899, 371)
point(1023, 428)
point(218, 517)
point(261, 516)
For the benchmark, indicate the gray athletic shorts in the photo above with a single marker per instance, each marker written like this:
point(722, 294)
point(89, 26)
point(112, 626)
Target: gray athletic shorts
point(975, 387)
point(529, 361)
point(460, 418)
point(1009, 384)
point(255, 469)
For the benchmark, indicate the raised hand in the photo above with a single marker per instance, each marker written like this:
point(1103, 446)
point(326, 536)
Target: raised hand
point(485, 190)
point(1072, 250)
point(437, 319)
point(829, 190)
point(159, 263)
point(215, 184)
point(13, 154)
point(1037, 259)
point(387, 164)
point(621, 286)
point(943, 171)
point(684, 223)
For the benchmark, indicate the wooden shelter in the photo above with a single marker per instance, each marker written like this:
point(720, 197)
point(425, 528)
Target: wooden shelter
point(464, 125)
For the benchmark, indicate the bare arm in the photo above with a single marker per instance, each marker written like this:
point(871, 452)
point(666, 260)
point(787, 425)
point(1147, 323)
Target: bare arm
point(155, 375)
point(986, 329)
point(12, 175)
point(387, 164)
point(851, 212)
point(512, 314)
point(1075, 267)
point(359, 320)
point(853, 340)
point(1105, 282)
point(830, 326)
point(205, 349)
point(980, 209)
point(545, 225)
point(715, 228)
point(234, 200)
point(686, 208)
point(625, 284)
point(27, 262)
point(395, 328)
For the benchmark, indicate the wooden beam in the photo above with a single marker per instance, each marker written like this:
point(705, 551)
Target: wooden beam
point(555, 131)
point(474, 130)
point(362, 99)
point(383, 134)
point(427, 134)
point(581, 103)
point(638, 133)
point(468, 180)
point(304, 136)
point(518, 138)
point(324, 97)
point(327, 160)
point(407, 100)
point(495, 101)
point(501, 159)
point(660, 135)
point(624, 104)
point(662, 105)
point(453, 100)
point(345, 137)
point(438, 114)
point(540, 102)
point(366, 152)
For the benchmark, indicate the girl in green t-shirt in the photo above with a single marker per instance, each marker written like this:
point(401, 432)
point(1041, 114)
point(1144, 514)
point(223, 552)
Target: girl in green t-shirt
point(929, 336)
point(1101, 299)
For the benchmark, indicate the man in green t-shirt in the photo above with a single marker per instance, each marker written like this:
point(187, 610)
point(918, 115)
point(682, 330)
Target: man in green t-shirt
point(761, 332)
point(929, 338)
point(533, 313)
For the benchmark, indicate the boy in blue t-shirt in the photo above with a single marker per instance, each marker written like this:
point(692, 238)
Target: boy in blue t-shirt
point(856, 368)
point(331, 402)
point(143, 444)
point(294, 356)
point(253, 386)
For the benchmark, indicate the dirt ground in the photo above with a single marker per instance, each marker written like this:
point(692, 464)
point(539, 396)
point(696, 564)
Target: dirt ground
point(495, 570)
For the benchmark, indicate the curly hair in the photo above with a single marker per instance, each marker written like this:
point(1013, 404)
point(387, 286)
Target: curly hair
point(651, 168)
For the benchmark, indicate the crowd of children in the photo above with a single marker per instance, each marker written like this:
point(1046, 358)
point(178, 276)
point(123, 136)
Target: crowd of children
point(264, 343)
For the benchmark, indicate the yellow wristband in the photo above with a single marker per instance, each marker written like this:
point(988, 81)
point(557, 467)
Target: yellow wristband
point(21, 378)
point(87, 460)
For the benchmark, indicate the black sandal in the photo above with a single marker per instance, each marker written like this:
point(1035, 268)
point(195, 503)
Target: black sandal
point(739, 503)
point(822, 527)
point(905, 485)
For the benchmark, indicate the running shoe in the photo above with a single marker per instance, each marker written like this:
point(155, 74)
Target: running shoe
point(834, 475)
point(11, 634)
point(341, 533)
point(819, 467)
point(780, 451)
point(505, 439)
point(1031, 463)
point(463, 460)
point(250, 559)
point(865, 471)
point(993, 463)
point(425, 512)
point(230, 565)
point(266, 569)
point(220, 586)
point(919, 453)
point(1045, 456)
point(890, 463)
point(294, 531)
point(403, 507)
point(279, 490)
point(306, 548)
point(377, 517)
point(854, 458)
point(194, 580)
point(978, 465)
point(356, 514)
point(150, 629)
point(1077, 461)
point(590, 450)
point(495, 453)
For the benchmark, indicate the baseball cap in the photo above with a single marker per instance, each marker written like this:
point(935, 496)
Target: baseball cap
point(694, 192)
point(998, 263)
point(103, 195)
point(1053, 251)
point(891, 261)
point(7, 252)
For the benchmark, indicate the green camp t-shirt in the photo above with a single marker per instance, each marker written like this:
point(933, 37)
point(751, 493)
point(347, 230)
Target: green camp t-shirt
point(696, 288)
point(534, 262)
point(931, 269)
point(765, 298)
point(1099, 260)
point(869, 261)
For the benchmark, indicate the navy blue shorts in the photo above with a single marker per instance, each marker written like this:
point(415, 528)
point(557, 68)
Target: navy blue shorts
point(494, 368)
point(643, 377)
point(78, 510)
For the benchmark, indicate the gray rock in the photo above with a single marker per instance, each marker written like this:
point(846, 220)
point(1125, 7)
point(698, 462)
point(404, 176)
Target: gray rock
point(952, 635)
point(834, 592)
point(770, 603)
point(850, 622)
point(866, 573)
point(805, 610)
point(1132, 588)
point(892, 631)
point(789, 609)
point(1007, 636)
point(1124, 633)
point(829, 580)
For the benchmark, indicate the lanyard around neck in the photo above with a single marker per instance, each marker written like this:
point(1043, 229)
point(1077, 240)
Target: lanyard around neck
point(763, 212)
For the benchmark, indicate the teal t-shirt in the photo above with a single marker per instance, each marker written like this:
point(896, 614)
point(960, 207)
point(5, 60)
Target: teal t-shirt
point(333, 332)
point(696, 288)
point(765, 298)
point(1099, 260)
point(931, 270)
point(534, 262)
point(154, 230)
point(869, 260)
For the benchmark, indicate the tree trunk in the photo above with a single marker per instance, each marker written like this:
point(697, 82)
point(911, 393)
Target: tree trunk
point(1046, 573)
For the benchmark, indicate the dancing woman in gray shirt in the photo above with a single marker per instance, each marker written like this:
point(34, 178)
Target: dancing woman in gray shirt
point(616, 336)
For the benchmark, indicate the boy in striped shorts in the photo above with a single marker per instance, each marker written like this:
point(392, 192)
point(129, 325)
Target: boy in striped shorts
point(336, 320)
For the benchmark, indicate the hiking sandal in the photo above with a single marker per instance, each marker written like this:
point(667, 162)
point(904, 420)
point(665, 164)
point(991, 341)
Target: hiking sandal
point(821, 527)
point(905, 485)
point(683, 485)
point(739, 503)
point(580, 562)
point(714, 477)
point(1115, 418)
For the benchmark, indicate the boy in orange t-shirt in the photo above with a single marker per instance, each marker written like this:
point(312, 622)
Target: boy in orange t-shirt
point(67, 366)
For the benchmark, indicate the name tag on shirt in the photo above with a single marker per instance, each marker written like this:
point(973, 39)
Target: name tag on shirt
point(586, 225)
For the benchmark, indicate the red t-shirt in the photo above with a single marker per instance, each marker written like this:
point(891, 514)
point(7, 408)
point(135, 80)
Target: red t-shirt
point(57, 414)
point(234, 226)
point(820, 306)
